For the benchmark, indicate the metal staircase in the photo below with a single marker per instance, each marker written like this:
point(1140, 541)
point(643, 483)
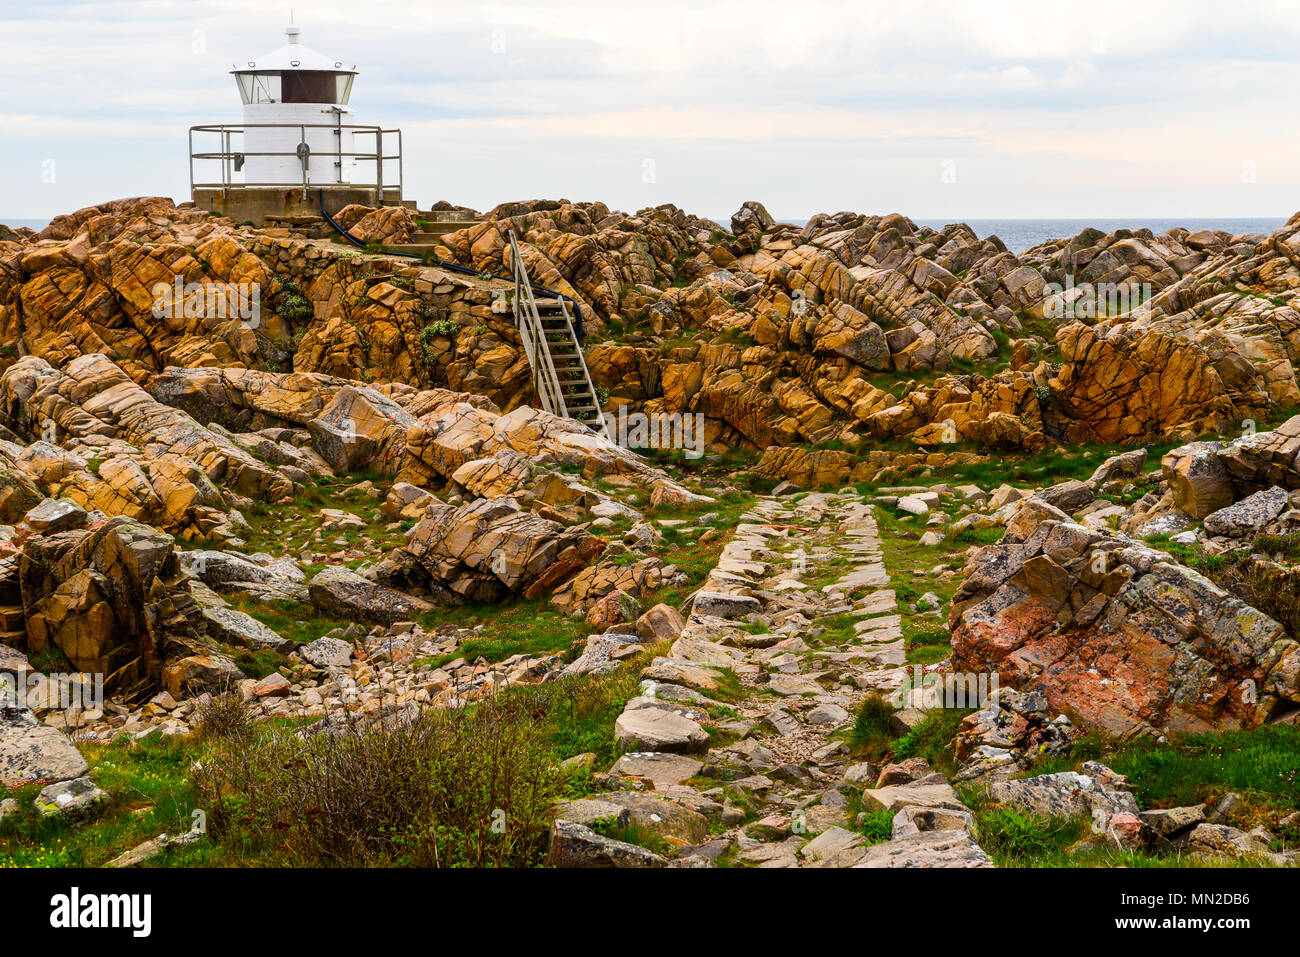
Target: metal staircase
point(560, 375)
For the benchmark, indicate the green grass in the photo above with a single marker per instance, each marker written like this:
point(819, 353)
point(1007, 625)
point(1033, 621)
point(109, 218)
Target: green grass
point(1014, 839)
point(514, 627)
point(932, 738)
point(1263, 763)
point(1287, 546)
point(692, 558)
point(928, 646)
point(877, 826)
point(297, 621)
point(872, 734)
point(633, 833)
point(291, 528)
point(150, 792)
point(580, 714)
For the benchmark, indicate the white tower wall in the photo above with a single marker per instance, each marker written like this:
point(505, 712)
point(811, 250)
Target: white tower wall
point(323, 143)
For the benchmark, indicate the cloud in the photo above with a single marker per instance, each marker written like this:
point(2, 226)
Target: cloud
point(827, 104)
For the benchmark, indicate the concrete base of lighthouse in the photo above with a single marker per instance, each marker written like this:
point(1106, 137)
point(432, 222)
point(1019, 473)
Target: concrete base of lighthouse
point(255, 205)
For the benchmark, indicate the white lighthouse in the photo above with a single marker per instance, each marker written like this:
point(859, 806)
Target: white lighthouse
point(299, 148)
point(295, 85)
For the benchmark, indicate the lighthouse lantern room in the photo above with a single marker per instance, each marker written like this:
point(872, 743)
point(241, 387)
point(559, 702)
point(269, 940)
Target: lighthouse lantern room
point(299, 147)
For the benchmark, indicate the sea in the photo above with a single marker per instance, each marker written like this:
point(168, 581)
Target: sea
point(1021, 234)
point(1016, 234)
point(36, 224)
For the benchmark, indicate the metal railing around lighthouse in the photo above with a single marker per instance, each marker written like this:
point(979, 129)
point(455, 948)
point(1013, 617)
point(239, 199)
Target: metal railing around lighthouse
point(230, 158)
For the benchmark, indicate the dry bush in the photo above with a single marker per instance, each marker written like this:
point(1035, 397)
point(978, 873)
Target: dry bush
point(1272, 588)
point(440, 787)
point(225, 716)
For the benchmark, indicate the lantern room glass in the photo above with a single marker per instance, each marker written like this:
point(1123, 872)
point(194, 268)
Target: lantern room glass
point(295, 86)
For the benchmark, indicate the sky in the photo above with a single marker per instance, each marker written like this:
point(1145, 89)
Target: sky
point(933, 108)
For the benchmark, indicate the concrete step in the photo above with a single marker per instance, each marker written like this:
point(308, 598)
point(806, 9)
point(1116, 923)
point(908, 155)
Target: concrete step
point(431, 232)
point(445, 216)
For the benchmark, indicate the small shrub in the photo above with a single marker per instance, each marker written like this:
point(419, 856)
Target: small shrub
point(872, 732)
point(877, 826)
point(226, 717)
point(442, 788)
point(932, 738)
point(444, 328)
point(294, 306)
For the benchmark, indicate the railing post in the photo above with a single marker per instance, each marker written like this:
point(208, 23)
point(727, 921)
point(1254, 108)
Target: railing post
point(379, 164)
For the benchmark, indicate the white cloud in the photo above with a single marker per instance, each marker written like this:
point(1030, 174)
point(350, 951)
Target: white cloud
point(1104, 109)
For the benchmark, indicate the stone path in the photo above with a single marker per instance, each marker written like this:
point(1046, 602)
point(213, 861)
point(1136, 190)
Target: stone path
point(795, 626)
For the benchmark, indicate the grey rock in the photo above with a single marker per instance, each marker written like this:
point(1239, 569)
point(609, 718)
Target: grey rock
point(328, 654)
point(1067, 496)
point(642, 724)
point(55, 515)
point(663, 769)
point(589, 811)
point(575, 845)
point(899, 796)
point(831, 842)
point(1248, 516)
point(673, 820)
point(864, 773)
point(1064, 794)
point(234, 627)
point(73, 801)
point(1171, 821)
point(344, 594)
point(1226, 809)
point(827, 714)
point(917, 820)
point(31, 752)
point(724, 606)
point(1125, 465)
point(1220, 840)
point(938, 848)
point(781, 721)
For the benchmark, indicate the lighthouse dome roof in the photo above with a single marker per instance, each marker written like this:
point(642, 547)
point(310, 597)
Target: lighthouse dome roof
point(292, 56)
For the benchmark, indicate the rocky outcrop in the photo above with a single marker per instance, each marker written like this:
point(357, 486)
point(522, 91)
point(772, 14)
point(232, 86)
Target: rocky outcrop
point(104, 443)
point(342, 593)
point(485, 550)
point(1117, 635)
point(785, 327)
point(113, 599)
point(1205, 477)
